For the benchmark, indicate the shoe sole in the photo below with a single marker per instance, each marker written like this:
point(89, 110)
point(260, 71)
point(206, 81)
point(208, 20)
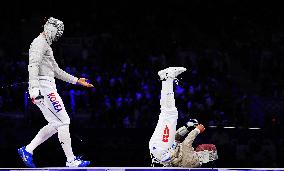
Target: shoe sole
point(86, 164)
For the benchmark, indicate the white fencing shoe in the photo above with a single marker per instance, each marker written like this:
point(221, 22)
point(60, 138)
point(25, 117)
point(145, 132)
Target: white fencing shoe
point(77, 162)
point(171, 72)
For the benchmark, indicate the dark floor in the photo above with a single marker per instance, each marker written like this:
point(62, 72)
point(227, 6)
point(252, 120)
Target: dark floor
point(129, 147)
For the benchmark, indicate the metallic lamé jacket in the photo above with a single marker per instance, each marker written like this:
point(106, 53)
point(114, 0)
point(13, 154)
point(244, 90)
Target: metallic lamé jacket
point(184, 155)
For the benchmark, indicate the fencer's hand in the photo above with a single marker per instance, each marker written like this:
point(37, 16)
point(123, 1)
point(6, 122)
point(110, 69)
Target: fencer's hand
point(83, 82)
point(200, 127)
point(35, 95)
point(192, 122)
point(34, 92)
point(38, 99)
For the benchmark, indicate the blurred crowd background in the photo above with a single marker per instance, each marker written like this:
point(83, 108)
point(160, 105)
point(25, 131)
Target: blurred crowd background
point(234, 52)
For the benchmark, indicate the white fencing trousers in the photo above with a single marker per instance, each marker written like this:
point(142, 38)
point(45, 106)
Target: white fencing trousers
point(163, 137)
point(52, 105)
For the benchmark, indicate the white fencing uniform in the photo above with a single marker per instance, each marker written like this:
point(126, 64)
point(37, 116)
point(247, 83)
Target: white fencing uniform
point(163, 147)
point(52, 105)
point(42, 70)
point(163, 137)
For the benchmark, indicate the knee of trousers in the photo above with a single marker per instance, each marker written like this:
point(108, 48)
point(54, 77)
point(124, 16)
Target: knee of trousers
point(61, 126)
point(52, 127)
point(57, 124)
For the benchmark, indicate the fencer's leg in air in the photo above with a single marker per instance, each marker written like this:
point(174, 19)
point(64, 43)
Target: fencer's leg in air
point(164, 135)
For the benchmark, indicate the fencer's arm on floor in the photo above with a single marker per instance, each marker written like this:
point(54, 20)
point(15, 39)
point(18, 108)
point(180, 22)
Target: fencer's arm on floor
point(35, 57)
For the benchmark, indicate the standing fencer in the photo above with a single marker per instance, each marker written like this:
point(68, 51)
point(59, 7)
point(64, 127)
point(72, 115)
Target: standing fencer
point(42, 89)
point(165, 144)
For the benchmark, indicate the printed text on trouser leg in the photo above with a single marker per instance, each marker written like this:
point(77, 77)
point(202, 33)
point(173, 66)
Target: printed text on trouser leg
point(55, 103)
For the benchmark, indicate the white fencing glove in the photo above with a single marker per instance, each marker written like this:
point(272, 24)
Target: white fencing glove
point(192, 122)
point(35, 95)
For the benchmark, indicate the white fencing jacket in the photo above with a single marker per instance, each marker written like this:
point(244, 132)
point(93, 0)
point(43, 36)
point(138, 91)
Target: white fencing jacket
point(42, 63)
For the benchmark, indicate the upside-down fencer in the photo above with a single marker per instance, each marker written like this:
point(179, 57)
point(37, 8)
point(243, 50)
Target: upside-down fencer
point(165, 144)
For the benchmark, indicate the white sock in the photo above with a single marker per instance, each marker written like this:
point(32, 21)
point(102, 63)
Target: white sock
point(65, 141)
point(167, 94)
point(43, 134)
